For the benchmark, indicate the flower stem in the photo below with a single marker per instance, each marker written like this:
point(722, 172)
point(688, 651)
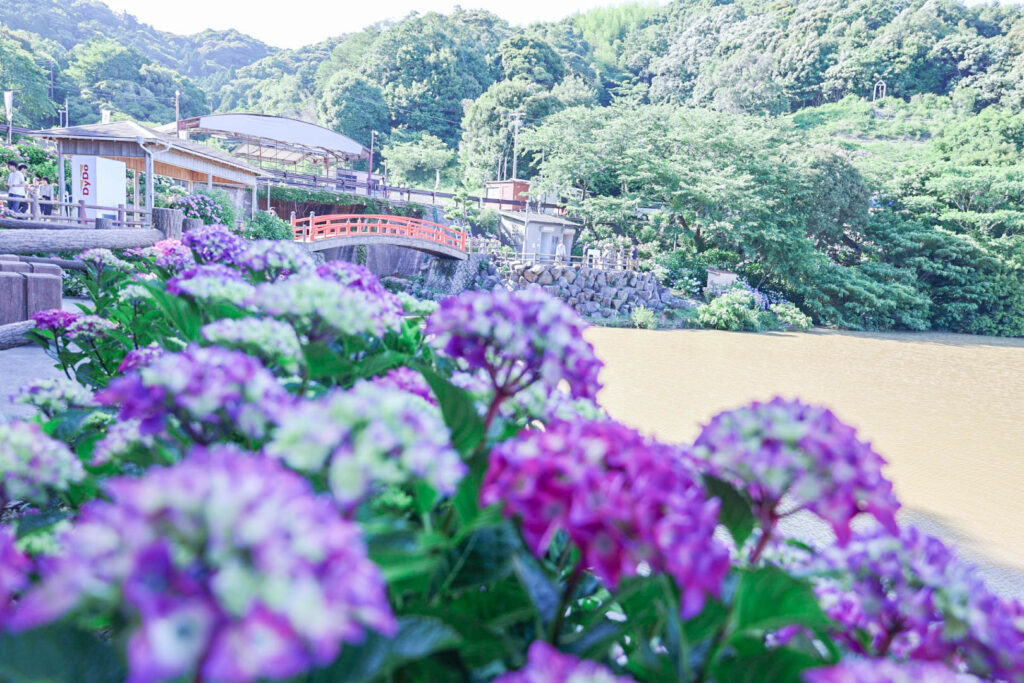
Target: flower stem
point(563, 604)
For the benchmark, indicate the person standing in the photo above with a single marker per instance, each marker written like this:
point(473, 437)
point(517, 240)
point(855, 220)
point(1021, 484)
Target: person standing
point(45, 193)
point(17, 187)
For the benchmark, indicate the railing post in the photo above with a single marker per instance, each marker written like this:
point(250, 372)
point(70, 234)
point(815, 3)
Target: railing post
point(309, 228)
point(81, 212)
point(121, 216)
point(293, 219)
point(35, 207)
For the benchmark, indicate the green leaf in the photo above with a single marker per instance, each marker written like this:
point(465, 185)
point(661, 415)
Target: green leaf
point(484, 557)
point(736, 513)
point(30, 524)
point(323, 361)
point(780, 665)
point(459, 411)
point(58, 654)
point(768, 598)
point(542, 590)
point(418, 637)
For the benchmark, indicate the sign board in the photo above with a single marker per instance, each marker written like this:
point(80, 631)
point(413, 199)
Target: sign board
point(9, 105)
point(100, 182)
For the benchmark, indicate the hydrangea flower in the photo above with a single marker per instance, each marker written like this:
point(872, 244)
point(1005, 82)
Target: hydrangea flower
point(52, 396)
point(121, 437)
point(104, 258)
point(213, 244)
point(324, 308)
point(789, 453)
point(32, 464)
point(214, 282)
point(272, 341)
point(886, 671)
point(14, 568)
point(273, 258)
point(138, 358)
point(413, 306)
point(545, 664)
point(518, 338)
point(621, 498)
point(352, 275)
point(89, 328)
point(225, 564)
point(54, 320)
point(913, 599)
point(406, 379)
point(366, 437)
point(133, 293)
point(212, 391)
point(173, 255)
point(535, 402)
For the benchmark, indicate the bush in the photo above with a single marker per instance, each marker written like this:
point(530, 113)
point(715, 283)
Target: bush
point(736, 310)
point(228, 215)
point(267, 226)
point(792, 317)
point(199, 206)
point(644, 318)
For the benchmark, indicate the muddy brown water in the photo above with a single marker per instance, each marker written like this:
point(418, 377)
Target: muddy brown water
point(945, 410)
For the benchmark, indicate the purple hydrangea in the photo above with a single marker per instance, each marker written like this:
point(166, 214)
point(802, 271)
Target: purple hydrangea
point(32, 465)
point(52, 396)
point(273, 258)
point(227, 566)
point(14, 568)
point(365, 438)
point(787, 453)
point(54, 320)
point(623, 500)
point(214, 244)
point(173, 255)
point(518, 338)
point(140, 358)
point(89, 328)
point(406, 379)
point(324, 309)
point(911, 598)
point(352, 275)
point(214, 282)
point(535, 402)
point(211, 391)
point(121, 437)
point(545, 664)
point(886, 671)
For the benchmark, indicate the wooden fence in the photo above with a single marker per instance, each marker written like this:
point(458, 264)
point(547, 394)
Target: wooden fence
point(73, 213)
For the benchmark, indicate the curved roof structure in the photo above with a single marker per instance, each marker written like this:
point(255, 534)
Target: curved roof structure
point(274, 139)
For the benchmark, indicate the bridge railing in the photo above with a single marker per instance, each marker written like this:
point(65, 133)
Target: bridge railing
point(314, 228)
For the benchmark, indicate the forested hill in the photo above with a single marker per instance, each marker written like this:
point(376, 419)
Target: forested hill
point(748, 131)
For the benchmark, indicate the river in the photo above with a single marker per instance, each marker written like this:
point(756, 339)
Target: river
point(945, 410)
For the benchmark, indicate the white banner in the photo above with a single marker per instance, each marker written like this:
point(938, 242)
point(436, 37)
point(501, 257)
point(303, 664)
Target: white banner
point(9, 104)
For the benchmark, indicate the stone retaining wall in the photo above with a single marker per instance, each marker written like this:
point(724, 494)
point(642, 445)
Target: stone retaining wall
point(594, 292)
point(27, 288)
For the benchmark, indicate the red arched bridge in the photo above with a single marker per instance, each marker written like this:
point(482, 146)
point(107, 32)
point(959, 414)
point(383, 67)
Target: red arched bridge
point(342, 230)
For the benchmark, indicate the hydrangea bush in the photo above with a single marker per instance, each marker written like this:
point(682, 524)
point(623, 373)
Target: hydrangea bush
point(260, 469)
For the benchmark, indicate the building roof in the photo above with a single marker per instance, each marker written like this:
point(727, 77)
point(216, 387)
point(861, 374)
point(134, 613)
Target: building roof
point(278, 139)
point(132, 132)
point(533, 217)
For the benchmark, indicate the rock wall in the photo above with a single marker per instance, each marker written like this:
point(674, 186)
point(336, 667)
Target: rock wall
point(594, 292)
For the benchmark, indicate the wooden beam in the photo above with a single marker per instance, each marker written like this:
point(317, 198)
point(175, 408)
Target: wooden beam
point(14, 334)
point(36, 241)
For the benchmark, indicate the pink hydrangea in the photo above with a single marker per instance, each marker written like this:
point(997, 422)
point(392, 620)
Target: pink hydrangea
point(622, 499)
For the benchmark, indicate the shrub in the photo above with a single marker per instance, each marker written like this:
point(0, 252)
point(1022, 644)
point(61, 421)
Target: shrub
point(644, 318)
point(736, 310)
point(228, 215)
point(199, 206)
point(792, 317)
point(266, 226)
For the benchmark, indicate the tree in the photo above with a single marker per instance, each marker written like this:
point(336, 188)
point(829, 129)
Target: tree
point(20, 73)
point(417, 158)
point(531, 58)
point(351, 104)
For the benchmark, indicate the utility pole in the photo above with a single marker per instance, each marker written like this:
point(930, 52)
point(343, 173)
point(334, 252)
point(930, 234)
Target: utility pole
point(67, 112)
point(369, 165)
point(517, 120)
point(177, 106)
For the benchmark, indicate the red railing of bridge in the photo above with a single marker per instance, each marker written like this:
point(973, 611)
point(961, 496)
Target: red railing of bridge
point(312, 229)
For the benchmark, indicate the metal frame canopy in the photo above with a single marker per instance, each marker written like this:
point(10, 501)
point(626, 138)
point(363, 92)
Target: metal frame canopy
point(155, 153)
point(275, 139)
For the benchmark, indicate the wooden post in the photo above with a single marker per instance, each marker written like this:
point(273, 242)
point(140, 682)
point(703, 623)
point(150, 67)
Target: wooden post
point(14, 334)
point(190, 223)
point(135, 195)
point(150, 184)
point(35, 207)
point(252, 209)
point(121, 216)
point(61, 193)
point(104, 223)
point(209, 181)
point(309, 228)
point(168, 221)
point(81, 212)
point(49, 240)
